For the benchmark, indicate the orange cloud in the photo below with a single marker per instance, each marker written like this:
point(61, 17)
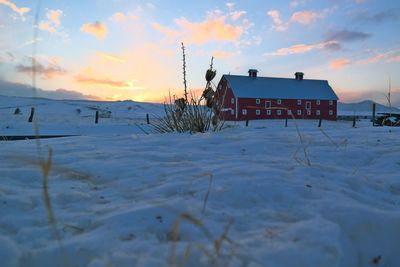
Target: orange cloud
point(97, 29)
point(20, 10)
point(112, 57)
point(223, 54)
point(305, 17)
point(53, 21)
point(213, 29)
point(108, 82)
point(339, 63)
point(118, 17)
point(121, 17)
point(166, 31)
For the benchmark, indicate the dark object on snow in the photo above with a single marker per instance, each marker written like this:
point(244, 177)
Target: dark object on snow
point(97, 117)
point(31, 116)
point(17, 111)
point(387, 119)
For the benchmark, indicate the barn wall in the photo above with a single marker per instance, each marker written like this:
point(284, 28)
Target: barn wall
point(251, 107)
point(225, 96)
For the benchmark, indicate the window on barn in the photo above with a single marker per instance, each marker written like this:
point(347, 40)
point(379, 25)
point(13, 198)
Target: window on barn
point(308, 112)
point(279, 112)
point(318, 112)
point(232, 100)
point(331, 112)
point(308, 105)
point(220, 87)
point(279, 101)
point(299, 112)
point(268, 112)
point(299, 102)
point(232, 112)
point(318, 102)
point(289, 112)
point(257, 101)
point(257, 112)
point(267, 104)
point(330, 102)
point(244, 111)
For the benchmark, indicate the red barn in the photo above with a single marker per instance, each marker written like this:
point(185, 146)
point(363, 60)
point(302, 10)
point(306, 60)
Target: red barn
point(254, 98)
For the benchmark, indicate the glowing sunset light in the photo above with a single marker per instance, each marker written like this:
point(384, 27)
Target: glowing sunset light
point(117, 50)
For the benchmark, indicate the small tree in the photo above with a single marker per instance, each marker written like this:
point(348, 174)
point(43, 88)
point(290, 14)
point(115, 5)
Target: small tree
point(17, 111)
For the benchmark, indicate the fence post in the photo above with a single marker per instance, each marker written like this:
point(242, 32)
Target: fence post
point(319, 123)
point(286, 123)
point(247, 123)
point(31, 116)
point(97, 117)
point(373, 113)
point(354, 122)
point(147, 118)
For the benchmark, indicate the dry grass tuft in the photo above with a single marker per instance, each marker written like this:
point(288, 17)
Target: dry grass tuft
point(214, 255)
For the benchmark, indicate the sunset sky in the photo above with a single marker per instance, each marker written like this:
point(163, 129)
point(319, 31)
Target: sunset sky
point(120, 49)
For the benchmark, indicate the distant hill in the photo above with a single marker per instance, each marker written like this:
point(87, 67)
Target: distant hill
point(363, 107)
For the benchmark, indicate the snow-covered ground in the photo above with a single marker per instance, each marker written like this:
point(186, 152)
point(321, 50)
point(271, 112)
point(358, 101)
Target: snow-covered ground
point(240, 197)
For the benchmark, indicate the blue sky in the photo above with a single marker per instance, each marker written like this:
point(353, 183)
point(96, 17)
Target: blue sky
point(120, 49)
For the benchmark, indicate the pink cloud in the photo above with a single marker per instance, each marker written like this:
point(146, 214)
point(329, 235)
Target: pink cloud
point(278, 24)
point(305, 17)
point(235, 15)
point(97, 29)
point(339, 63)
point(298, 49)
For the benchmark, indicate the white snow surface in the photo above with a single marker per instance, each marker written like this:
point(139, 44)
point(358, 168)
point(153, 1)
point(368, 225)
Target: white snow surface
point(117, 193)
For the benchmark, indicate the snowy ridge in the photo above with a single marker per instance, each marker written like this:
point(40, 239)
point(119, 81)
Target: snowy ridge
point(74, 116)
point(363, 108)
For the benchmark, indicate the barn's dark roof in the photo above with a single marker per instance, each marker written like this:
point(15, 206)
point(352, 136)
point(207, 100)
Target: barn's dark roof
point(279, 88)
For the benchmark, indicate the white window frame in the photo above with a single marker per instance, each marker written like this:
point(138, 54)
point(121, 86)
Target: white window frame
point(289, 112)
point(299, 112)
point(318, 102)
point(308, 104)
point(268, 112)
point(330, 102)
point(298, 102)
point(232, 112)
point(257, 101)
point(279, 101)
point(318, 112)
point(232, 100)
point(279, 112)
point(268, 104)
point(308, 112)
point(258, 112)
point(330, 112)
point(244, 112)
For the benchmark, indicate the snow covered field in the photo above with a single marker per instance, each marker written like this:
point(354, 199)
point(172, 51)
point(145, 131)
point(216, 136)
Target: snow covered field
point(244, 196)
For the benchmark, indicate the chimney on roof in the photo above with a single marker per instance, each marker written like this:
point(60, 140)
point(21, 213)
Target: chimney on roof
point(253, 73)
point(299, 76)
